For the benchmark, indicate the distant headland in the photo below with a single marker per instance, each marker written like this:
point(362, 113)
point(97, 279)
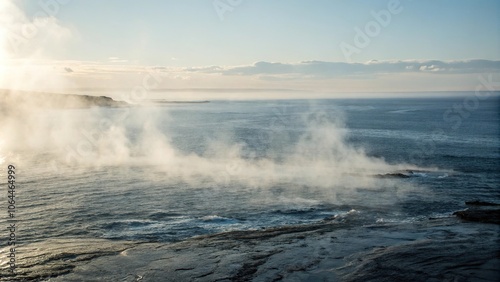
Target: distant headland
point(53, 100)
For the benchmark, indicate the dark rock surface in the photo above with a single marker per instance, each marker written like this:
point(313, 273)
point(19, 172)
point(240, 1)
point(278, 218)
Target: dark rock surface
point(480, 215)
point(481, 203)
point(438, 250)
point(393, 175)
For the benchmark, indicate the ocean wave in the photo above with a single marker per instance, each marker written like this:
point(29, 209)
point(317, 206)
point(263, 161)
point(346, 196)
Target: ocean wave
point(163, 215)
point(217, 219)
point(410, 173)
point(127, 224)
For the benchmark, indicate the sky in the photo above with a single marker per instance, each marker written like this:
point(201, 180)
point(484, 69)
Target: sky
point(325, 45)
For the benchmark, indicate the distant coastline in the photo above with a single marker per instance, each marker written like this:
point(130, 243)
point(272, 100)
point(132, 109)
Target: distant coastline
point(53, 100)
point(178, 102)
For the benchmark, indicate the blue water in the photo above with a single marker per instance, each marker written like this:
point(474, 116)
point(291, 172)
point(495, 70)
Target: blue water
point(133, 200)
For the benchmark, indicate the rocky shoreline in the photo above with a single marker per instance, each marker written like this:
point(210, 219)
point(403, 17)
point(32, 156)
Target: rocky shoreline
point(434, 250)
point(481, 211)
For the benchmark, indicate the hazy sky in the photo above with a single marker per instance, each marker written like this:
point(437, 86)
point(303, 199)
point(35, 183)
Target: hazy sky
point(378, 45)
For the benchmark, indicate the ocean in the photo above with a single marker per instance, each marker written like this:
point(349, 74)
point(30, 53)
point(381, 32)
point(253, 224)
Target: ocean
point(166, 172)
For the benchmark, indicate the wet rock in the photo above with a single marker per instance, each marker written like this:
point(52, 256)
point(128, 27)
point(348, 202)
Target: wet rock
point(480, 203)
point(392, 175)
point(480, 215)
point(453, 259)
point(448, 252)
point(55, 257)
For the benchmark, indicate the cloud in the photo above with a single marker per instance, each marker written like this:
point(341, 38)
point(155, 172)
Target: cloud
point(319, 76)
point(265, 68)
point(322, 69)
point(208, 69)
point(117, 60)
point(23, 37)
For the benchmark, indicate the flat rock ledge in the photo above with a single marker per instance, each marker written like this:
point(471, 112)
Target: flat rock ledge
point(435, 250)
point(480, 215)
point(480, 211)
